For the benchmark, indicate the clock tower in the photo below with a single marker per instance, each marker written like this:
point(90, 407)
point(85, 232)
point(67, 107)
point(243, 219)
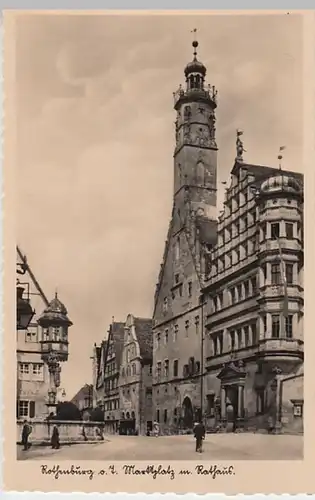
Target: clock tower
point(195, 156)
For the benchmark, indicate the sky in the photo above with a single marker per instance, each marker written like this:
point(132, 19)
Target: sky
point(95, 141)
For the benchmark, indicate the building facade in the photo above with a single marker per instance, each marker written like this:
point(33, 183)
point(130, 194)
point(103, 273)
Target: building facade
point(254, 301)
point(135, 381)
point(228, 310)
point(33, 370)
point(83, 400)
point(178, 311)
point(108, 356)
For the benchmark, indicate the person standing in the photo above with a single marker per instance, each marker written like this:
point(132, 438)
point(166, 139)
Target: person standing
point(200, 433)
point(156, 429)
point(26, 432)
point(55, 441)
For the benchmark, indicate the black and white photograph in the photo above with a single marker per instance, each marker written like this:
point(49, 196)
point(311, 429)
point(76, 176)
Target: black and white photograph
point(159, 237)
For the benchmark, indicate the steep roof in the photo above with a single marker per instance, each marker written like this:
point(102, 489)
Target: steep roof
point(261, 172)
point(144, 334)
point(117, 332)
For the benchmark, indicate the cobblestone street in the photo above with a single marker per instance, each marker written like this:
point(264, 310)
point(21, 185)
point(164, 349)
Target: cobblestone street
point(216, 447)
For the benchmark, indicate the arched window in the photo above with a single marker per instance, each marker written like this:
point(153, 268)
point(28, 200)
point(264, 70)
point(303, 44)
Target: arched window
point(133, 368)
point(128, 371)
point(133, 415)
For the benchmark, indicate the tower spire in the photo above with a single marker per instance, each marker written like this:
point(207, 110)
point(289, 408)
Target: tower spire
point(195, 43)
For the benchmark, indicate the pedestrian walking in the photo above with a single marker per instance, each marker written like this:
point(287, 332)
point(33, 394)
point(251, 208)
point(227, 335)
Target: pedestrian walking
point(55, 441)
point(26, 432)
point(199, 433)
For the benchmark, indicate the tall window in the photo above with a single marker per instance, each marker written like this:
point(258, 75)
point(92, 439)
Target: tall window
point(175, 332)
point(239, 292)
point(220, 342)
point(289, 273)
point(232, 335)
point(254, 285)
point(157, 415)
point(166, 368)
point(239, 338)
point(233, 295)
point(165, 416)
point(133, 368)
point(246, 335)
point(175, 368)
point(158, 369)
point(187, 327)
point(197, 322)
point(189, 289)
point(254, 333)
point(158, 340)
point(275, 322)
point(45, 334)
point(289, 230)
point(289, 326)
point(215, 345)
point(275, 230)
point(166, 337)
point(165, 304)
point(275, 274)
point(246, 289)
point(215, 304)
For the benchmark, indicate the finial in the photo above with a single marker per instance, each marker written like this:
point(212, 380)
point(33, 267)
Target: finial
point(195, 43)
point(56, 293)
point(280, 156)
point(239, 146)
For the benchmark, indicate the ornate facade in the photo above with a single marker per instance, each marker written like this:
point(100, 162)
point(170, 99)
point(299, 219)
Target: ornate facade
point(37, 373)
point(135, 381)
point(254, 300)
point(228, 311)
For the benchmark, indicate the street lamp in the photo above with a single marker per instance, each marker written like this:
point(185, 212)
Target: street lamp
point(24, 311)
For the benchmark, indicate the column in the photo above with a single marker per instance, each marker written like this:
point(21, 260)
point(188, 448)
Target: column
point(282, 229)
point(261, 278)
point(295, 274)
point(240, 410)
point(223, 404)
point(269, 325)
point(261, 328)
point(268, 272)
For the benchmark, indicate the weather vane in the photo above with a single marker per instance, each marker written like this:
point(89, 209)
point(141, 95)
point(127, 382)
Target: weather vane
point(195, 43)
point(280, 156)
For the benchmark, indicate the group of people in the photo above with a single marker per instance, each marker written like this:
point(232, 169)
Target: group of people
point(27, 431)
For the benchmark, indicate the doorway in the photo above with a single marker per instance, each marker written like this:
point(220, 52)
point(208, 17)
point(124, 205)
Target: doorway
point(188, 414)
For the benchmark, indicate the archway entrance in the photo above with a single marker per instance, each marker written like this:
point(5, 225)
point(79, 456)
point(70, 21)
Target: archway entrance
point(188, 414)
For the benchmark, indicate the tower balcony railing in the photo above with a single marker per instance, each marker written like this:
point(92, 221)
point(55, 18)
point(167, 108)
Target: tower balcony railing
point(209, 93)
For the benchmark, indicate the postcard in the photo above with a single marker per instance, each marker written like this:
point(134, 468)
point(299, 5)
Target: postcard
point(158, 173)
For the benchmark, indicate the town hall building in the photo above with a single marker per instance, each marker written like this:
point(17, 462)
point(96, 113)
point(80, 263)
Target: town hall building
point(228, 311)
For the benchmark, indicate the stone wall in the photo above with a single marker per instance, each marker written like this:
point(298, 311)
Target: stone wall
point(69, 432)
